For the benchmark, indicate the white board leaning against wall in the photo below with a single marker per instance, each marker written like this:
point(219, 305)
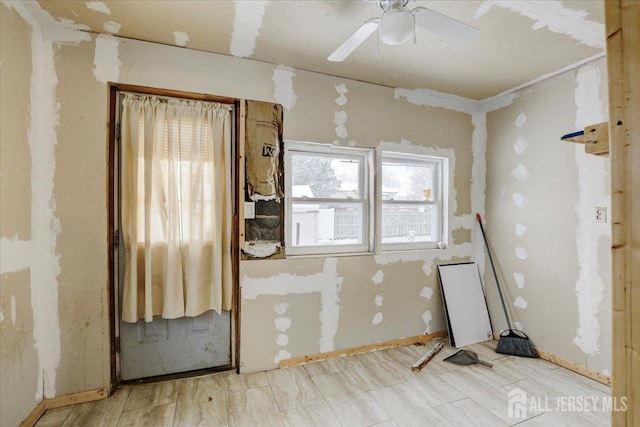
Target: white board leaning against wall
point(464, 303)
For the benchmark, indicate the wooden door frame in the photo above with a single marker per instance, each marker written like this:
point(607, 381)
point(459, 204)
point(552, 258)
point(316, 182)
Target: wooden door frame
point(113, 89)
point(623, 65)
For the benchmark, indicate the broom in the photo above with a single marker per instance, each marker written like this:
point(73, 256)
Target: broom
point(512, 341)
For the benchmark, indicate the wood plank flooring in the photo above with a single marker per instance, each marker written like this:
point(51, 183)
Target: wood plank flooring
point(373, 389)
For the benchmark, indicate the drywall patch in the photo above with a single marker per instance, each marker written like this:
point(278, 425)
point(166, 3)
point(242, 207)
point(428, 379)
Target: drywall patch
point(377, 319)
point(327, 283)
point(180, 38)
point(106, 62)
point(520, 146)
point(555, 16)
point(521, 173)
point(426, 292)
point(283, 92)
point(45, 227)
point(519, 278)
point(379, 299)
point(1, 316)
point(339, 118)
point(518, 325)
point(378, 277)
point(341, 100)
point(281, 308)
point(520, 120)
point(592, 191)
point(98, 6)
point(521, 253)
point(426, 318)
point(282, 340)
point(112, 27)
point(521, 229)
point(520, 200)
point(16, 255)
point(282, 323)
point(520, 303)
point(246, 26)
point(432, 98)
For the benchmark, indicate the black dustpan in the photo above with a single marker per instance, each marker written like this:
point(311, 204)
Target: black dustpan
point(466, 357)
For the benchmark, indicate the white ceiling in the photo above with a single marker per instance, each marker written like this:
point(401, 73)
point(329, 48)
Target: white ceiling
point(518, 41)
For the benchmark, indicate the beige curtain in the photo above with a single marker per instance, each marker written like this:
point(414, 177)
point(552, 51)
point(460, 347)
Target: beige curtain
point(176, 207)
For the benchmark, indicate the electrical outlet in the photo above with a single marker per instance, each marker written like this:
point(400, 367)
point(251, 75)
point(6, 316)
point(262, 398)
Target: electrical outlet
point(600, 214)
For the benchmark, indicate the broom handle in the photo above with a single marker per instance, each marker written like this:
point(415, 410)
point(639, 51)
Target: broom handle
point(493, 267)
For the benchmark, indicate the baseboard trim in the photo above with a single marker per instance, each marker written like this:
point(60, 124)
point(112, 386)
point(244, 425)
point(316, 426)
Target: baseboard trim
point(60, 401)
point(572, 366)
point(420, 339)
point(34, 416)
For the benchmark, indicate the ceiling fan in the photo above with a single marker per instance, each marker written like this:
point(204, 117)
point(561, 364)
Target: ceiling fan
point(397, 25)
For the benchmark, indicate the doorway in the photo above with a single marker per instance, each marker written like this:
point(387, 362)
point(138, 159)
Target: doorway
point(152, 344)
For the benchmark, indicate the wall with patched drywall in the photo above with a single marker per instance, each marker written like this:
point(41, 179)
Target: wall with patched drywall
point(554, 259)
point(18, 357)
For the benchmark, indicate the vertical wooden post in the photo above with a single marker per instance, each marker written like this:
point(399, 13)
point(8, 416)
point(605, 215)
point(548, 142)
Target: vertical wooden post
point(623, 63)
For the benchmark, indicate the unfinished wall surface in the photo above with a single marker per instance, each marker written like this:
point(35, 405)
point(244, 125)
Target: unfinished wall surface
point(554, 258)
point(18, 356)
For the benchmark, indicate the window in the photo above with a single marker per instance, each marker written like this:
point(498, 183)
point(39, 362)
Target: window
point(327, 196)
point(412, 201)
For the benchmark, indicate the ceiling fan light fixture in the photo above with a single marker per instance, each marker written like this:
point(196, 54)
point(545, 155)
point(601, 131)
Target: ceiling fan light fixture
point(396, 27)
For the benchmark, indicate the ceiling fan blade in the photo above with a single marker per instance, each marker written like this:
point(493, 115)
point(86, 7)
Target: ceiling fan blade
point(355, 40)
point(444, 25)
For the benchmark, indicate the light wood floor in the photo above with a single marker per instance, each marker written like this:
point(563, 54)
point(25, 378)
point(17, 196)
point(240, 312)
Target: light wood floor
point(376, 388)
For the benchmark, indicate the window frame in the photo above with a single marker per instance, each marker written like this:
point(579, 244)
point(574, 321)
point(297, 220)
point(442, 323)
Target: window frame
point(365, 157)
point(440, 186)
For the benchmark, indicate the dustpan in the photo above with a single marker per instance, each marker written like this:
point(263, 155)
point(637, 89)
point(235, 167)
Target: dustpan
point(466, 357)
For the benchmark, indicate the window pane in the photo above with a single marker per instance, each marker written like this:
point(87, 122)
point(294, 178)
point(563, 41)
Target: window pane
point(408, 181)
point(409, 223)
point(318, 176)
point(316, 224)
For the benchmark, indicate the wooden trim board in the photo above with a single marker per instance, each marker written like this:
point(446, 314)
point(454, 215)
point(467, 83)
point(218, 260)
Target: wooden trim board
point(60, 401)
point(622, 26)
point(295, 361)
point(572, 366)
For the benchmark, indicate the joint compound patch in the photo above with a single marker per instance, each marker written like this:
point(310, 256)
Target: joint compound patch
point(555, 16)
point(520, 200)
point(521, 120)
point(339, 118)
point(283, 91)
point(378, 277)
point(106, 62)
point(519, 278)
point(518, 325)
point(282, 323)
point(112, 27)
point(281, 308)
point(13, 310)
point(521, 253)
point(520, 303)
point(521, 230)
point(426, 318)
point(377, 319)
point(341, 100)
point(98, 6)
point(426, 292)
point(180, 38)
point(379, 300)
point(282, 340)
point(520, 146)
point(521, 173)
point(246, 26)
